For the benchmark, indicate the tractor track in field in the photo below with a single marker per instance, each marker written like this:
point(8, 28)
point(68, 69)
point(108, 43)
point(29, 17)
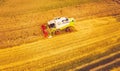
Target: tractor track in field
point(103, 64)
point(117, 1)
point(108, 66)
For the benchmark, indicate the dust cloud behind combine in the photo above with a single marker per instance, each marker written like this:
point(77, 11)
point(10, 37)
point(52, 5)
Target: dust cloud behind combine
point(97, 35)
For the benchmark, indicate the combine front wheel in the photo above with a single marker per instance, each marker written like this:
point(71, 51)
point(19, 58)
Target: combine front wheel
point(69, 29)
point(57, 32)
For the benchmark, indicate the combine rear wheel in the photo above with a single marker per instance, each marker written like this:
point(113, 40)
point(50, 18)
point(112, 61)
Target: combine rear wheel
point(69, 29)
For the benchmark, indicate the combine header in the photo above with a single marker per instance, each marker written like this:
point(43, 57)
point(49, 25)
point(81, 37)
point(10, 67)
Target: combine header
point(57, 25)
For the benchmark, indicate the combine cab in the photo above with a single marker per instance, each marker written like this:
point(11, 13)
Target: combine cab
point(57, 25)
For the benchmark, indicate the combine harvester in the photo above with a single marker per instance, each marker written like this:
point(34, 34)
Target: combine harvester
point(57, 25)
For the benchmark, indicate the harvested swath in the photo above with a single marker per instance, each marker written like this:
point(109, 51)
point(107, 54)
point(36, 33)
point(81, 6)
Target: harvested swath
point(104, 60)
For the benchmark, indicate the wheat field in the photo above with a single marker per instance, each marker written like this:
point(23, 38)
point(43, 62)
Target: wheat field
point(23, 47)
